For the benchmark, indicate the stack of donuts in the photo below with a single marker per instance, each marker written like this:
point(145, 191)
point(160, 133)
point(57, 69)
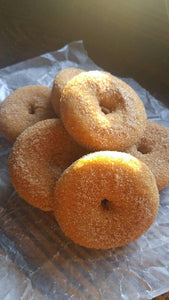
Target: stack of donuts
point(86, 151)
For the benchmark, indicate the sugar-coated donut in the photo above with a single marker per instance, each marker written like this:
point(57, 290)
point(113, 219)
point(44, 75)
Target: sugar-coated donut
point(23, 108)
point(153, 150)
point(59, 83)
point(106, 199)
point(102, 112)
point(38, 157)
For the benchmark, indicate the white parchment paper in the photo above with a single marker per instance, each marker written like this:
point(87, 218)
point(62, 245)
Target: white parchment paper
point(137, 271)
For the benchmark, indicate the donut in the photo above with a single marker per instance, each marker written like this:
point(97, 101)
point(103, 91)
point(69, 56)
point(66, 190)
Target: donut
point(153, 150)
point(23, 108)
point(37, 159)
point(59, 83)
point(106, 199)
point(101, 112)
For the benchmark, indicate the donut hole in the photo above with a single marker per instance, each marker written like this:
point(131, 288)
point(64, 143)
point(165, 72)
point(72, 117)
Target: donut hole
point(111, 103)
point(108, 107)
point(31, 110)
point(105, 110)
point(105, 204)
point(144, 149)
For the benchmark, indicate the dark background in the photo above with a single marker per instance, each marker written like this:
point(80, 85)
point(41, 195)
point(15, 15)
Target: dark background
point(127, 38)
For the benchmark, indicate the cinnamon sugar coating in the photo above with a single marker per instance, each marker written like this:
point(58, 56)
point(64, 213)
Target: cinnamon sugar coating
point(153, 150)
point(102, 112)
point(38, 158)
point(23, 108)
point(59, 83)
point(106, 199)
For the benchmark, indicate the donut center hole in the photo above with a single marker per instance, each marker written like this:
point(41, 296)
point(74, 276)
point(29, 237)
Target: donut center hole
point(105, 110)
point(109, 106)
point(105, 204)
point(144, 149)
point(32, 110)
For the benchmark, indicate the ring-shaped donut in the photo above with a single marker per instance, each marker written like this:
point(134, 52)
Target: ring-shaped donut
point(23, 108)
point(101, 112)
point(153, 150)
point(37, 159)
point(106, 199)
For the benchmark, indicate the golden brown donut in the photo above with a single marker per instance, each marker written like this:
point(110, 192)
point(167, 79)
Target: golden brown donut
point(38, 157)
point(153, 150)
point(59, 83)
point(106, 199)
point(23, 108)
point(101, 112)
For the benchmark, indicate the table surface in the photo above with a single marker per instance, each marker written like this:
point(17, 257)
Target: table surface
point(127, 38)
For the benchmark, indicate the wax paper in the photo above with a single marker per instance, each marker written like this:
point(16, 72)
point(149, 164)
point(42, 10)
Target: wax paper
point(36, 260)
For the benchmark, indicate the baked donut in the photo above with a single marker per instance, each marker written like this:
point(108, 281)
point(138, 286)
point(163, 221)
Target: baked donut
point(59, 83)
point(23, 108)
point(106, 199)
point(38, 157)
point(101, 112)
point(153, 150)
